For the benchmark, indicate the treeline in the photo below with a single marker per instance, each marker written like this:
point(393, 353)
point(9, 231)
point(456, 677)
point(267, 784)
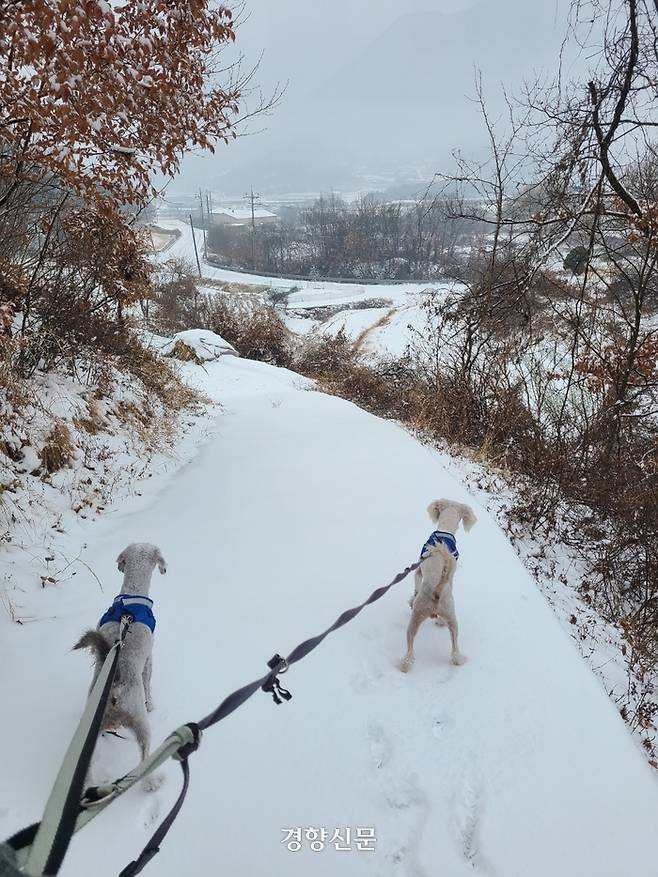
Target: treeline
point(368, 238)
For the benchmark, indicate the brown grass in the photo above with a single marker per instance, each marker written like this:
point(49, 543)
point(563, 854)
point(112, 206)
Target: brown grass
point(157, 376)
point(57, 453)
point(256, 332)
point(184, 353)
point(94, 421)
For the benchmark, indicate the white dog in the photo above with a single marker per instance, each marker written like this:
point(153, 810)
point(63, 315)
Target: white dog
point(130, 695)
point(433, 583)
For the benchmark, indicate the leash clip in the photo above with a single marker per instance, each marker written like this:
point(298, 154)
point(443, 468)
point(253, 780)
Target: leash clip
point(124, 627)
point(277, 665)
point(95, 795)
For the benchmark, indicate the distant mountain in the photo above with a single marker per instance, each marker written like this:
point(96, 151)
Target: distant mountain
point(402, 101)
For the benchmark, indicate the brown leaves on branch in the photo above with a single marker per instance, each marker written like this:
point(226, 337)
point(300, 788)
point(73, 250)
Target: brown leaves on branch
point(102, 96)
point(602, 372)
point(111, 255)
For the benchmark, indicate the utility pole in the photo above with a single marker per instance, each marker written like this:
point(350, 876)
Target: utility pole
point(208, 215)
point(253, 197)
point(203, 226)
point(196, 252)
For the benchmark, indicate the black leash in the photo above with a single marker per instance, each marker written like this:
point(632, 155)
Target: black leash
point(271, 685)
point(268, 683)
point(277, 664)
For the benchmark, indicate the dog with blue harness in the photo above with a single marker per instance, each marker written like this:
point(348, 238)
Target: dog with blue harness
point(433, 579)
point(130, 695)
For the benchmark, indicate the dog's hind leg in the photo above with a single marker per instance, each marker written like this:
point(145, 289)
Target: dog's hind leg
point(415, 622)
point(146, 678)
point(457, 657)
point(447, 611)
point(140, 726)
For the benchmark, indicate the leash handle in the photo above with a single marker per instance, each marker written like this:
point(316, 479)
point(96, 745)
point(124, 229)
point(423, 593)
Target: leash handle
point(152, 848)
point(54, 833)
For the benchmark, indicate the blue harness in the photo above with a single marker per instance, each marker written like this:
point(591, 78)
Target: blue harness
point(138, 608)
point(438, 537)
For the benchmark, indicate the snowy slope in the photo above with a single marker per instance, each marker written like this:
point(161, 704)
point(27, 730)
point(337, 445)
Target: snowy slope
point(296, 507)
point(378, 331)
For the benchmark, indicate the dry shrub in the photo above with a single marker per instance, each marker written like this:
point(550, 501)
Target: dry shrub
point(139, 417)
point(386, 387)
point(184, 353)
point(158, 377)
point(325, 358)
point(483, 413)
point(256, 331)
point(159, 394)
point(12, 451)
point(58, 451)
point(175, 298)
point(94, 422)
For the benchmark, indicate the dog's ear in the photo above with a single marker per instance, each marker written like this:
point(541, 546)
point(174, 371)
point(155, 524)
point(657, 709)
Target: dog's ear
point(435, 508)
point(121, 561)
point(468, 517)
point(160, 561)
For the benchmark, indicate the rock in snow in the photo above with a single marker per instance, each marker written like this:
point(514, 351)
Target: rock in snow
point(199, 345)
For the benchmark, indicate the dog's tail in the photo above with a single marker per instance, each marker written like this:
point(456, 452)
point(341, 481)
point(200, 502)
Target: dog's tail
point(449, 564)
point(95, 641)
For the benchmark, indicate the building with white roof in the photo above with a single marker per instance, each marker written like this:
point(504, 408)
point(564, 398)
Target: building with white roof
point(241, 216)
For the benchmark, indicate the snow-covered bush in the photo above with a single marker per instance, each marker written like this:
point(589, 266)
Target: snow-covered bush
point(255, 331)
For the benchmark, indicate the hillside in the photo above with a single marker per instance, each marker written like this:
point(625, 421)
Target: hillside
point(296, 506)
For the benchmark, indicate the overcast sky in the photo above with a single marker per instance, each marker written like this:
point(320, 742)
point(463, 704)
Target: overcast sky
point(304, 40)
point(365, 99)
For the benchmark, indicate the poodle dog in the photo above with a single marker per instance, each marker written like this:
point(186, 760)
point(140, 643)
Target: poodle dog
point(433, 580)
point(130, 694)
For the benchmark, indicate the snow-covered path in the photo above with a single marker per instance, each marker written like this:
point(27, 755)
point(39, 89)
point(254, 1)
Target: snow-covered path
point(297, 506)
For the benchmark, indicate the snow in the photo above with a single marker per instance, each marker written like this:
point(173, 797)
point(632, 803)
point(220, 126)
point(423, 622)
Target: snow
point(243, 212)
point(295, 507)
point(300, 325)
point(399, 331)
point(379, 331)
point(206, 345)
point(353, 322)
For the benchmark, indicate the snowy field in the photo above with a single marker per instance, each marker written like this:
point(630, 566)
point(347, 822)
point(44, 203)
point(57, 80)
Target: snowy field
point(379, 331)
point(183, 248)
point(288, 507)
